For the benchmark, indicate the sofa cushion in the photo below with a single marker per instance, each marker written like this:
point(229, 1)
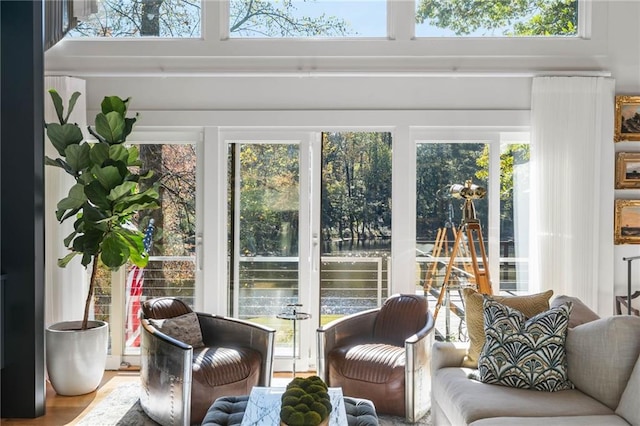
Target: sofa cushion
point(608, 420)
point(601, 355)
point(465, 401)
point(628, 407)
point(185, 328)
point(525, 353)
point(529, 305)
point(580, 313)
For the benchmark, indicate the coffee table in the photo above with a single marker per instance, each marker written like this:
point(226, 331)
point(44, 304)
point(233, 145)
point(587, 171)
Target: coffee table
point(263, 407)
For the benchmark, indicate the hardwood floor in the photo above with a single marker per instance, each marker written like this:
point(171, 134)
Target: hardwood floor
point(69, 410)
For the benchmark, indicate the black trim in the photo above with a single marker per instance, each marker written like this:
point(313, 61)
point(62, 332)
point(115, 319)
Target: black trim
point(21, 211)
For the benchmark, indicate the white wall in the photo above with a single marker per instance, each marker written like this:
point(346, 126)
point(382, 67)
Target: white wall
point(401, 74)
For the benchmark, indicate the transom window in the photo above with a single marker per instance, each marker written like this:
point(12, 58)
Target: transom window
point(331, 18)
point(142, 18)
point(496, 18)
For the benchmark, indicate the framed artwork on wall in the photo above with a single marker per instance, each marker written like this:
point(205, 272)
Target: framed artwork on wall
point(627, 170)
point(627, 118)
point(627, 222)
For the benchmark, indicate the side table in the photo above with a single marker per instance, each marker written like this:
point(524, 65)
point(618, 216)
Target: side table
point(294, 316)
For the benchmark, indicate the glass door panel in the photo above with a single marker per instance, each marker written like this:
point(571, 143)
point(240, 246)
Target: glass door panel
point(439, 166)
point(172, 238)
point(264, 228)
point(355, 221)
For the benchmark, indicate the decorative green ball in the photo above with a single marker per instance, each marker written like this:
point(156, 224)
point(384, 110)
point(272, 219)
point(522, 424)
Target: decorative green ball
point(305, 402)
point(312, 418)
point(296, 419)
point(290, 400)
point(285, 413)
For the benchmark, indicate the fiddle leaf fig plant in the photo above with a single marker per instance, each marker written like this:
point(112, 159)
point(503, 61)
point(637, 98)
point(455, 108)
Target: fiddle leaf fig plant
point(106, 195)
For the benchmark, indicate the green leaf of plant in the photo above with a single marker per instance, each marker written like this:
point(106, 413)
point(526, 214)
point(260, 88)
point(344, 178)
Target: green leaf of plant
point(97, 136)
point(135, 240)
point(78, 156)
point(146, 200)
point(99, 153)
point(65, 260)
point(57, 104)
point(110, 126)
point(134, 154)
point(87, 259)
point(69, 238)
point(96, 193)
point(74, 200)
point(95, 220)
point(128, 125)
point(115, 251)
point(119, 153)
point(63, 135)
point(72, 104)
point(69, 213)
point(114, 103)
point(59, 162)
point(121, 191)
point(48, 161)
point(146, 175)
point(90, 241)
point(108, 176)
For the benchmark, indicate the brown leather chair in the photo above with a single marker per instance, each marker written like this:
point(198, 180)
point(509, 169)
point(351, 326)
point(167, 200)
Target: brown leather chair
point(179, 381)
point(382, 355)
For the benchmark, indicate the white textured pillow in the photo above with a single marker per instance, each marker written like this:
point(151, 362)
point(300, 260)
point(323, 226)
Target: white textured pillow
point(628, 407)
point(185, 328)
point(601, 355)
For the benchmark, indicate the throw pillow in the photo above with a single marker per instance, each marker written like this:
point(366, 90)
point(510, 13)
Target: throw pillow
point(529, 305)
point(525, 353)
point(601, 355)
point(184, 328)
point(628, 407)
point(580, 313)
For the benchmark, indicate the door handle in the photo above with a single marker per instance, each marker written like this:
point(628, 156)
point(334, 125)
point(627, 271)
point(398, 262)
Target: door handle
point(199, 252)
point(315, 242)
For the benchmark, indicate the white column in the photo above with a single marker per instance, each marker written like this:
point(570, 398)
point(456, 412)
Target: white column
point(66, 288)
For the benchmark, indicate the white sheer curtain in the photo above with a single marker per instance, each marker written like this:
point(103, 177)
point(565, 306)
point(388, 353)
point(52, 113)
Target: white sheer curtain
point(572, 156)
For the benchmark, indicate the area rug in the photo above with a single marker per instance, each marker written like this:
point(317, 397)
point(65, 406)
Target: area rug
point(122, 408)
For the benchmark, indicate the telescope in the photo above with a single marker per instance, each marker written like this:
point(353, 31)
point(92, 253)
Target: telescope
point(468, 191)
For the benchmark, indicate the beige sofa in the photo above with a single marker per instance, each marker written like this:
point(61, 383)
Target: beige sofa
point(602, 362)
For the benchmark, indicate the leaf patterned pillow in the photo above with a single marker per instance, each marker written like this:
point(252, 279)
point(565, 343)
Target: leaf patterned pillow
point(525, 353)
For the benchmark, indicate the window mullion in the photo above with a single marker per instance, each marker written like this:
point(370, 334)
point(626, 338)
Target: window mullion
point(401, 19)
point(216, 20)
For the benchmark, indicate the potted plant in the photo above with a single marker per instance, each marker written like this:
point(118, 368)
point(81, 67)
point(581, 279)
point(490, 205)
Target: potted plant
point(102, 202)
point(305, 402)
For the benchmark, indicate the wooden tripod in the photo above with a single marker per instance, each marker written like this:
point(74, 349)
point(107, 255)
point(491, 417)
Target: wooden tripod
point(470, 228)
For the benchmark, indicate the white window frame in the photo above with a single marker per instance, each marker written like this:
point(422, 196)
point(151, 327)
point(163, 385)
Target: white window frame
point(494, 138)
point(140, 136)
point(399, 53)
point(405, 125)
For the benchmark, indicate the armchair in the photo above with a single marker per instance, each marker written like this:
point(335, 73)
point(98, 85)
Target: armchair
point(221, 357)
point(382, 355)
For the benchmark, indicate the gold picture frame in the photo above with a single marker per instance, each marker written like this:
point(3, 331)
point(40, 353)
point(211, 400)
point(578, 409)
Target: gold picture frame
point(627, 118)
point(627, 222)
point(627, 170)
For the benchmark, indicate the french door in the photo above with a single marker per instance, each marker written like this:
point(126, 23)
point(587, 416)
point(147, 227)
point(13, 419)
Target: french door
point(309, 228)
point(273, 211)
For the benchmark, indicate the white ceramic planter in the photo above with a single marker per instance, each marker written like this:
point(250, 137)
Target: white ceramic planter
point(76, 358)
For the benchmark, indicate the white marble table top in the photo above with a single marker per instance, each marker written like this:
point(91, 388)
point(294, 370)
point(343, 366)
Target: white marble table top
point(263, 407)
